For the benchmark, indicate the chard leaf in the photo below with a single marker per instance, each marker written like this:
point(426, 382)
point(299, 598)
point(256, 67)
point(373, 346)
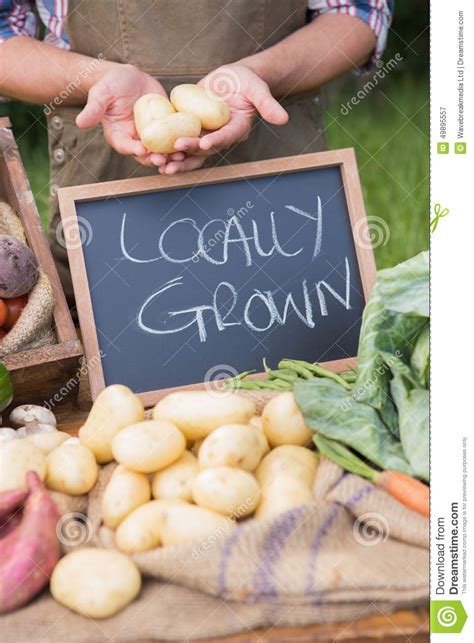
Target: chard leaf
point(405, 287)
point(413, 418)
point(387, 341)
point(420, 359)
point(332, 412)
point(371, 382)
point(389, 416)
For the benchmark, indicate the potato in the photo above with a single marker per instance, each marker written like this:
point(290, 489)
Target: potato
point(71, 469)
point(160, 135)
point(48, 441)
point(226, 490)
point(141, 529)
point(256, 421)
point(212, 111)
point(148, 446)
point(283, 422)
point(95, 582)
point(17, 457)
point(232, 445)
point(283, 494)
point(288, 461)
point(262, 439)
point(175, 480)
point(185, 523)
point(150, 107)
point(198, 413)
point(114, 409)
point(125, 491)
point(197, 444)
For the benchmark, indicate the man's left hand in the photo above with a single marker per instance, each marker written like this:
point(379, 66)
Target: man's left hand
point(246, 93)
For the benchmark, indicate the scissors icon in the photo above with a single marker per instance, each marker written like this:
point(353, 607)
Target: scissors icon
point(439, 214)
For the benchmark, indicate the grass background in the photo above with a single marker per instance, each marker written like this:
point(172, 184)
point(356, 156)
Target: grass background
point(389, 130)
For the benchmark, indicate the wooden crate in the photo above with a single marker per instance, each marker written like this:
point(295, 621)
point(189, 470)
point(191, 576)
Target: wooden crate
point(37, 374)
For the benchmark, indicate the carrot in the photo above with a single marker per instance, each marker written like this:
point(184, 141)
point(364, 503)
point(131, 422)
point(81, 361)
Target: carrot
point(409, 491)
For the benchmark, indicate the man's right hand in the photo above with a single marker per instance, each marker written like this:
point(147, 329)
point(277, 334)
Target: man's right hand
point(110, 102)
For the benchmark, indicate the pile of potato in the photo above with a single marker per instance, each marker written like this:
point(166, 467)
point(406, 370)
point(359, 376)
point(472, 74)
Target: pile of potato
point(203, 461)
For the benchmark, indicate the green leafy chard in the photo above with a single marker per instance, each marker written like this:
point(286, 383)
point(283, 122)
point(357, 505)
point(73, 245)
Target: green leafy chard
point(413, 419)
point(332, 412)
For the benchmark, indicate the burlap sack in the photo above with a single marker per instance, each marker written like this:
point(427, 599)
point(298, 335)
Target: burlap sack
point(33, 328)
point(355, 553)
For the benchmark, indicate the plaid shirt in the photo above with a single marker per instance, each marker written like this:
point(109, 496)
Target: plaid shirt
point(18, 18)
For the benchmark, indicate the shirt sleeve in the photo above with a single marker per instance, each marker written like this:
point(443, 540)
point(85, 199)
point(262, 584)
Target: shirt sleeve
point(17, 18)
point(376, 13)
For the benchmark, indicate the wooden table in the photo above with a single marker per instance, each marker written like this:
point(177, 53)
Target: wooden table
point(406, 625)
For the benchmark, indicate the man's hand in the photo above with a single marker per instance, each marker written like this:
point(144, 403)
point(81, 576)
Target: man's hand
point(110, 102)
point(246, 93)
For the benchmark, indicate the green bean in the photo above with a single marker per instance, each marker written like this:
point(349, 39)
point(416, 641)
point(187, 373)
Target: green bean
point(254, 385)
point(296, 367)
point(320, 371)
point(349, 376)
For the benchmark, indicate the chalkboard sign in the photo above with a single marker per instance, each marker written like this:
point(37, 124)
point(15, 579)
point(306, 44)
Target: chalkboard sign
point(181, 280)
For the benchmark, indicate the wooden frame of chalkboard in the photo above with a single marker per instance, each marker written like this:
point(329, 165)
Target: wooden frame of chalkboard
point(70, 196)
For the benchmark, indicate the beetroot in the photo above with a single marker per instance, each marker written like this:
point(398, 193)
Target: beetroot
point(18, 267)
point(29, 551)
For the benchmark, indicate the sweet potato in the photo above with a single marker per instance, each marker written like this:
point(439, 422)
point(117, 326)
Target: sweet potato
point(29, 553)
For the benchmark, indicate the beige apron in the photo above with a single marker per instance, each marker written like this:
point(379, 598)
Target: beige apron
point(175, 41)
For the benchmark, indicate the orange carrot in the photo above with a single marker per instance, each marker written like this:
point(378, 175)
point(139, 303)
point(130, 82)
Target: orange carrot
point(409, 491)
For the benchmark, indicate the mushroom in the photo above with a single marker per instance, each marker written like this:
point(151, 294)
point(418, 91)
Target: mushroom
point(32, 419)
point(7, 434)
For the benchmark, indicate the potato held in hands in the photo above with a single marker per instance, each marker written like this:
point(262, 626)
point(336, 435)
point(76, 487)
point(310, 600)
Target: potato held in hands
point(151, 107)
point(160, 122)
point(212, 111)
point(160, 135)
point(159, 125)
